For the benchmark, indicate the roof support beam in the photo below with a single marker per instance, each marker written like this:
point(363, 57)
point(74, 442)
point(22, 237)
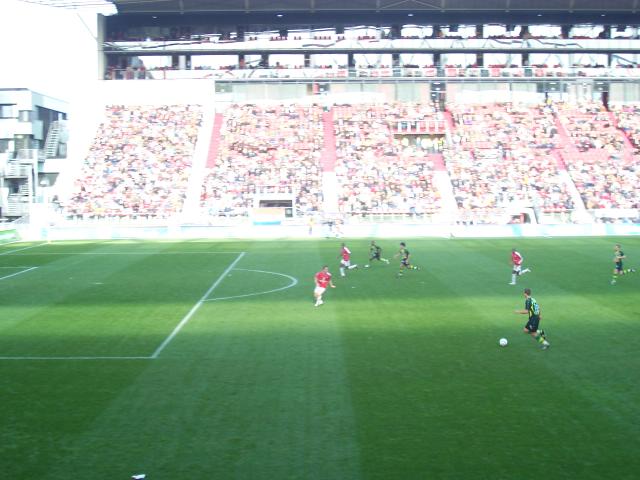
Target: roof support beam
point(419, 2)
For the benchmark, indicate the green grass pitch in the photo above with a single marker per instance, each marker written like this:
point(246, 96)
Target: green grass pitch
point(165, 358)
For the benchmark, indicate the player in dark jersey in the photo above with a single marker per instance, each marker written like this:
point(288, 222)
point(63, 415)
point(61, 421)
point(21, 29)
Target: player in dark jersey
point(532, 309)
point(375, 253)
point(618, 269)
point(405, 259)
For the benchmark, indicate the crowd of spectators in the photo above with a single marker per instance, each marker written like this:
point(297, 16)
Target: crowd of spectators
point(139, 163)
point(628, 119)
point(607, 184)
point(497, 156)
point(605, 169)
point(502, 154)
point(378, 172)
point(590, 127)
point(266, 149)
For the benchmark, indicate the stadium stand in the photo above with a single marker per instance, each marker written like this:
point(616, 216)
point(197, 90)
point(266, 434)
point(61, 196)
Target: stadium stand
point(139, 163)
point(384, 156)
point(503, 153)
point(379, 173)
point(599, 156)
point(265, 149)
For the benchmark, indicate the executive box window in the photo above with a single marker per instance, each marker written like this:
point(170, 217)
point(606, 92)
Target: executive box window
point(8, 111)
point(26, 116)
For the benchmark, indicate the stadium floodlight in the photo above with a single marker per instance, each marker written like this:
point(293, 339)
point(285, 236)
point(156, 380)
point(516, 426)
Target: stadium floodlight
point(105, 7)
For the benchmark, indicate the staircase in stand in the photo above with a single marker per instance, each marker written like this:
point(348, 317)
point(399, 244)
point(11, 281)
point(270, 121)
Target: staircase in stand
point(329, 157)
point(564, 152)
point(450, 125)
point(628, 146)
point(214, 145)
point(567, 144)
point(328, 160)
point(442, 182)
point(204, 156)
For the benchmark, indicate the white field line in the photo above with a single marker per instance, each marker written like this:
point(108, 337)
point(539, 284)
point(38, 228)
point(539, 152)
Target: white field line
point(18, 273)
point(119, 253)
point(75, 358)
point(13, 241)
point(294, 282)
point(21, 249)
point(195, 308)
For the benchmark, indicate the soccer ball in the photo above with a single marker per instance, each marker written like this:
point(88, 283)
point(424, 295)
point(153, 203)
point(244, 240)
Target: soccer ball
point(366, 266)
point(503, 342)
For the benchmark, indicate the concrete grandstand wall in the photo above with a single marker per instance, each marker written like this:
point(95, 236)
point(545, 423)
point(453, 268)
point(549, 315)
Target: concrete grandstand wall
point(106, 231)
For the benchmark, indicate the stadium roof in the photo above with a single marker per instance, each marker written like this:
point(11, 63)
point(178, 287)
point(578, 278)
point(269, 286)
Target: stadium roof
point(255, 6)
point(106, 7)
point(72, 3)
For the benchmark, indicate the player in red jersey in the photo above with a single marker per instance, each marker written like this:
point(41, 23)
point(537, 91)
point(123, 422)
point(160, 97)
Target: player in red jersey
point(516, 262)
point(323, 280)
point(345, 260)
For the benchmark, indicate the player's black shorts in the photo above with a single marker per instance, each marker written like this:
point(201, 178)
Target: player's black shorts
point(375, 256)
point(405, 262)
point(619, 266)
point(532, 324)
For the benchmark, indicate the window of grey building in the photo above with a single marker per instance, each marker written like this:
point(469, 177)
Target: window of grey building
point(8, 111)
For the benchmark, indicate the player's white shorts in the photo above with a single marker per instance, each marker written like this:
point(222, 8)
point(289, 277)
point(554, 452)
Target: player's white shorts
point(319, 290)
point(345, 263)
point(517, 268)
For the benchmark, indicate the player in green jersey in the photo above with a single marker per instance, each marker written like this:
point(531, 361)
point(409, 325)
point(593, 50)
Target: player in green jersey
point(375, 253)
point(532, 308)
point(618, 268)
point(405, 259)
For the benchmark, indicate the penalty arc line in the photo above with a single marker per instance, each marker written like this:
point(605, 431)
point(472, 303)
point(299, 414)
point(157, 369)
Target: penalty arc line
point(294, 282)
point(195, 308)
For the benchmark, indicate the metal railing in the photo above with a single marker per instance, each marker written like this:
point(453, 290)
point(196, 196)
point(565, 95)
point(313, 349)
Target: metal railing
point(496, 216)
point(17, 170)
point(337, 73)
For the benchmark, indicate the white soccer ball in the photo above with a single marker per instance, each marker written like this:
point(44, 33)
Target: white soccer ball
point(503, 342)
point(366, 266)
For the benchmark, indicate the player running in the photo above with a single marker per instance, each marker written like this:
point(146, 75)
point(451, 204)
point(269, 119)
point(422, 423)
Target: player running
point(516, 261)
point(375, 253)
point(345, 260)
point(618, 269)
point(532, 309)
point(323, 280)
point(405, 259)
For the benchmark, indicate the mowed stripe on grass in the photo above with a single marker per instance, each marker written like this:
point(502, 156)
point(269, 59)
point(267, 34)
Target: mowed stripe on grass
point(391, 378)
point(101, 303)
